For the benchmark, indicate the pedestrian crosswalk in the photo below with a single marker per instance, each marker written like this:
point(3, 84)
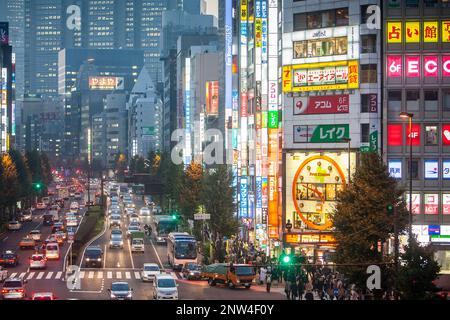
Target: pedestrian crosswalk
point(87, 275)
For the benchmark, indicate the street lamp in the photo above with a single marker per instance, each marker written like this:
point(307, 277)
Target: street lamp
point(409, 116)
point(348, 140)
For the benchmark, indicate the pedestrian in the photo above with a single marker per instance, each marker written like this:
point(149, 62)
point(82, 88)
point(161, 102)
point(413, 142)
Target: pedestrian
point(300, 287)
point(287, 289)
point(294, 290)
point(262, 275)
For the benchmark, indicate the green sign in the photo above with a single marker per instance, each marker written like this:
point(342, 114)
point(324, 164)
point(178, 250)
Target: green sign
point(374, 141)
point(364, 149)
point(332, 133)
point(148, 131)
point(273, 120)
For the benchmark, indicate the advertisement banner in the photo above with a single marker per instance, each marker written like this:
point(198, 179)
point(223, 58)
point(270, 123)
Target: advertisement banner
point(395, 168)
point(148, 131)
point(430, 31)
point(4, 33)
point(106, 83)
point(243, 201)
point(431, 169)
point(445, 31)
point(322, 104)
point(333, 133)
point(373, 140)
point(431, 203)
point(244, 104)
point(412, 66)
point(272, 120)
point(394, 66)
point(446, 169)
point(446, 203)
point(395, 134)
point(415, 135)
point(212, 98)
point(430, 66)
point(394, 32)
point(258, 192)
point(412, 31)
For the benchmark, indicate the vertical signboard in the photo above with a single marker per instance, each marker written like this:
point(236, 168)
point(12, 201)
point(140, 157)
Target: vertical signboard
point(243, 201)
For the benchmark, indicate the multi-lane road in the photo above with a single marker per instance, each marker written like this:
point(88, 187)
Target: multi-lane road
point(118, 265)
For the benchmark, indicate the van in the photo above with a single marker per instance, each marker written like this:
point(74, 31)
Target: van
point(52, 251)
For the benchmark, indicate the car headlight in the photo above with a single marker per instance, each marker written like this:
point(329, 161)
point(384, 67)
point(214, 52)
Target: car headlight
point(99, 259)
point(237, 281)
point(130, 295)
point(191, 273)
point(113, 295)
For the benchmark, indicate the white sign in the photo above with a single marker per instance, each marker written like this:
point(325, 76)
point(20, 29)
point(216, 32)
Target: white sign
point(202, 216)
point(395, 168)
point(446, 169)
point(431, 169)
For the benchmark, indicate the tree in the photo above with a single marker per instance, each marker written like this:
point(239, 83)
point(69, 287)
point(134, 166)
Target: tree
point(190, 190)
point(10, 194)
point(170, 175)
point(120, 164)
point(417, 272)
point(47, 176)
point(362, 222)
point(23, 174)
point(33, 160)
point(217, 197)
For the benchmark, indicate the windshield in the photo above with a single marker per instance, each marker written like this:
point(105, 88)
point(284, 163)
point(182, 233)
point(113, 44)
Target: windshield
point(12, 284)
point(116, 232)
point(166, 227)
point(166, 283)
point(138, 241)
point(244, 271)
point(193, 267)
point(120, 287)
point(52, 247)
point(116, 236)
point(185, 250)
point(93, 252)
point(151, 268)
point(133, 228)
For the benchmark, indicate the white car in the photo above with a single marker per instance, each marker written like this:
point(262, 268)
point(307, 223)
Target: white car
point(144, 211)
point(165, 287)
point(71, 221)
point(41, 206)
point(14, 225)
point(74, 206)
point(3, 274)
point(35, 235)
point(38, 261)
point(130, 211)
point(149, 271)
point(52, 251)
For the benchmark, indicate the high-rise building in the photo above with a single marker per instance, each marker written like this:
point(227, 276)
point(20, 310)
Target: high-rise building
point(7, 64)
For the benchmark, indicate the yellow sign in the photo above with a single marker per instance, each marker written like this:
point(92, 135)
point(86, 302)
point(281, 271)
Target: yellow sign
point(445, 31)
point(430, 31)
point(338, 75)
point(310, 238)
point(394, 32)
point(412, 32)
point(258, 32)
point(244, 10)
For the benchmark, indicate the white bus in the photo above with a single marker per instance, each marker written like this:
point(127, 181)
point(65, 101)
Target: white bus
point(162, 226)
point(181, 249)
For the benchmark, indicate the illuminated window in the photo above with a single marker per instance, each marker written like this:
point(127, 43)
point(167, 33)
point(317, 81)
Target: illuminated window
point(431, 135)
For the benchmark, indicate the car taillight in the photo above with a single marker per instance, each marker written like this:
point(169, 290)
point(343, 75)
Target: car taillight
point(20, 290)
point(5, 291)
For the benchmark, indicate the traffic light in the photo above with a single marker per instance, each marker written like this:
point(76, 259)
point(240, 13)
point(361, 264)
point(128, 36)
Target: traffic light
point(286, 259)
point(390, 209)
point(37, 186)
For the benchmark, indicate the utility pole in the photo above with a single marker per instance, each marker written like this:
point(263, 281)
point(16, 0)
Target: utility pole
point(396, 252)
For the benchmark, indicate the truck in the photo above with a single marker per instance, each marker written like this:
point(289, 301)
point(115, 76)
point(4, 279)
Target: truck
point(232, 275)
point(137, 241)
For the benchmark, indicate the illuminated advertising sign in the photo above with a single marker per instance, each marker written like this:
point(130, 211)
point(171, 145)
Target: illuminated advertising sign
point(446, 203)
point(258, 192)
point(395, 168)
point(446, 169)
point(445, 31)
point(212, 98)
point(430, 31)
point(394, 66)
point(415, 135)
point(333, 133)
point(272, 120)
point(394, 32)
point(446, 134)
point(322, 104)
point(431, 169)
point(431, 203)
point(412, 66)
point(415, 31)
point(4, 33)
point(430, 66)
point(258, 24)
point(412, 32)
point(244, 104)
point(395, 135)
point(415, 203)
point(264, 29)
point(243, 201)
point(321, 76)
point(106, 83)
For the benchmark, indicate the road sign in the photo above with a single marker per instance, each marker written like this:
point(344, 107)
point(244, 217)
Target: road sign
point(202, 216)
point(70, 237)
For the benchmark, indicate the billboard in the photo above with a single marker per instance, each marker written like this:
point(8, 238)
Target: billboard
point(328, 133)
point(431, 169)
point(322, 104)
point(416, 31)
point(4, 33)
point(411, 66)
point(395, 168)
point(335, 75)
point(415, 203)
point(212, 98)
point(431, 201)
point(106, 83)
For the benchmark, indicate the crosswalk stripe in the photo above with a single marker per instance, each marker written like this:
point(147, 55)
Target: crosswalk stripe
point(91, 275)
point(100, 275)
point(13, 275)
point(22, 275)
point(40, 275)
point(49, 275)
point(58, 275)
point(109, 275)
point(137, 275)
point(127, 275)
point(119, 275)
point(30, 276)
point(82, 273)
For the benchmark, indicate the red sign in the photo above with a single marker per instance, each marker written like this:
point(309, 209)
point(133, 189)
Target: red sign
point(430, 66)
point(322, 105)
point(446, 134)
point(446, 66)
point(395, 134)
point(431, 203)
point(394, 66)
point(244, 104)
point(373, 103)
point(415, 135)
point(413, 66)
point(212, 98)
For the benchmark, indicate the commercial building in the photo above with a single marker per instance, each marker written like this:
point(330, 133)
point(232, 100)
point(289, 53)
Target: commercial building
point(331, 85)
point(116, 121)
point(7, 104)
point(417, 81)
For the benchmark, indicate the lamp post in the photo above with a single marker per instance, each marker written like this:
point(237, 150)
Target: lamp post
point(348, 140)
point(409, 116)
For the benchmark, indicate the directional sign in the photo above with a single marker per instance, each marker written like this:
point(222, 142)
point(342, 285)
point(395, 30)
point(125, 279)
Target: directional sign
point(202, 216)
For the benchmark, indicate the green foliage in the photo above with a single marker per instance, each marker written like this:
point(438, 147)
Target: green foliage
point(190, 190)
point(361, 219)
point(23, 173)
point(417, 272)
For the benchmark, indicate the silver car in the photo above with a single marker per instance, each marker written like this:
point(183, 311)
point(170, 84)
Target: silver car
point(116, 239)
point(120, 291)
point(14, 288)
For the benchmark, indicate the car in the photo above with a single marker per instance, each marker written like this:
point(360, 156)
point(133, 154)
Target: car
point(129, 211)
point(26, 216)
point(14, 288)
point(132, 228)
point(120, 291)
point(27, 243)
point(93, 257)
point(72, 195)
point(134, 218)
point(38, 261)
point(35, 235)
point(48, 219)
point(144, 211)
point(60, 237)
point(74, 206)
point(14, 226)
point(46, 200)
point(116, 239)
point(165, 287)
point(3, 274)
point(41, 206)
point(71, 221)
point(149, 271)
point(9, 259)
point(77, 195)
point(115, 221)
point(43, 296)
point(52, 250)
point(58, 226)
point(191, 271)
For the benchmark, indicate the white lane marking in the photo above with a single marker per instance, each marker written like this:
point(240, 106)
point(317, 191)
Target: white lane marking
point(131, 255)
point(157, 255)
point(100, 275)
point(104, 256)
point(119, 275)
point(58, 275)
point(49, 275)
point(109, 275)
point(4, 240)
point(91, 275)
point(40, 275)
point(137, 275)
point(127, 275)
point(13, 275)
point(82, 273)
point(22, 275)
point(30, 276)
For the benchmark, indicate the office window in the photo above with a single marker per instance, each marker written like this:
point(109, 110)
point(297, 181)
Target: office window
point(369, 43)
point(445, 3)
point(365, 132)
point(394, 100)
point(342, 17)
point(415, 169)
point(299, 21)
point(412, 3)
point(412, 99)
point(431, 100)
point(431, 3)
point(446, 100)
point(368, 73)
point(431, 135)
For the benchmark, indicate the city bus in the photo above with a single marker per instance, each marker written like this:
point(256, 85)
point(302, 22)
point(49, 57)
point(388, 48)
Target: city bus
point(181, 249)
point(162, 226)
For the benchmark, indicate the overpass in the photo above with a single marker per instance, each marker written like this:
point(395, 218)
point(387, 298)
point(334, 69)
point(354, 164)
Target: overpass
point(153, 185)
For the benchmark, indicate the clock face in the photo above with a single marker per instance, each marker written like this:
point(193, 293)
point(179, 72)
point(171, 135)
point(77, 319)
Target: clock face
point(314, 189)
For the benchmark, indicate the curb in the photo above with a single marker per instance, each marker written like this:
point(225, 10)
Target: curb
point(93, 239)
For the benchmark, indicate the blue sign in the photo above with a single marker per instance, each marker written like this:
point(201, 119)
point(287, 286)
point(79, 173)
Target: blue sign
point(431, 169)
point(243, 203)
point(258, 192)
point(258, 9)
point(264, 8)
point(434, 230)
point(446, 169)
